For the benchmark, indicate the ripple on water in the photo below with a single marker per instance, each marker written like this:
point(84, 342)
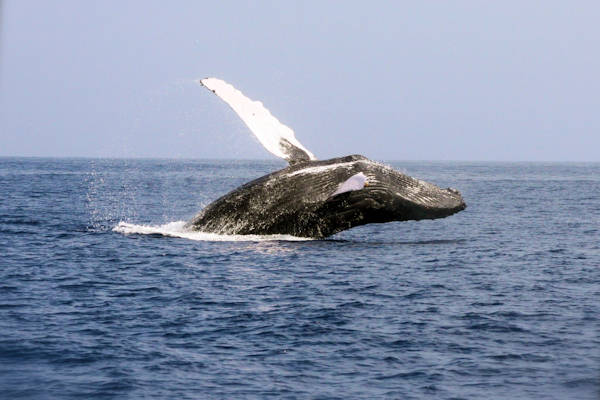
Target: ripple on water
point(107, 298)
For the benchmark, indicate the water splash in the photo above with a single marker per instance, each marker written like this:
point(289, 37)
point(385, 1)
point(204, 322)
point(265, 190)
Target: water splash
point(177, 229)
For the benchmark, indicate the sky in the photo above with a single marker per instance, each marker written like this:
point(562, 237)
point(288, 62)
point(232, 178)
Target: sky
point(426, 80)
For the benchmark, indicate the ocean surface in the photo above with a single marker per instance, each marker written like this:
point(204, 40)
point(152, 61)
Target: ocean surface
point(103, 295)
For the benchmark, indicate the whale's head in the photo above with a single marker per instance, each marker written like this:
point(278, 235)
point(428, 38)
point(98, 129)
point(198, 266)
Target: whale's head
point(369, 192)
point(399, 197)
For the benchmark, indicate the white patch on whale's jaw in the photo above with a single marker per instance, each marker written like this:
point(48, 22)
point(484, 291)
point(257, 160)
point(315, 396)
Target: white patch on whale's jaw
point(355, 182)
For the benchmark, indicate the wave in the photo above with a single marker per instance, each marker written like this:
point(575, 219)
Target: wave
point(177, 229)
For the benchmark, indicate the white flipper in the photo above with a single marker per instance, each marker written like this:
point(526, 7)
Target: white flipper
point(272, 134)
point(355, 182)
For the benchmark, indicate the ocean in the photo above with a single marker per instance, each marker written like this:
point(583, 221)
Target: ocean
point(103, 295)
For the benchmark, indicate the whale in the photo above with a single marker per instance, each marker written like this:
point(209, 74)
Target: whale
point(314, 198)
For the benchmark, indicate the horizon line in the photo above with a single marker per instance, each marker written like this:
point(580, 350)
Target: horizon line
point(283, 161)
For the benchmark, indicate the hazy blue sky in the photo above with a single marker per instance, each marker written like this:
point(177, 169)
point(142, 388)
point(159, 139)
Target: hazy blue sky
point(452, 80)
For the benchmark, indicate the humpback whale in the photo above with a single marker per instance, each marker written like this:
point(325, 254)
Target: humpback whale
point(315, 198)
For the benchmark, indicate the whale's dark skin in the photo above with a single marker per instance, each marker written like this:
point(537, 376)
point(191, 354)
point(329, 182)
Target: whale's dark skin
point(298, 200)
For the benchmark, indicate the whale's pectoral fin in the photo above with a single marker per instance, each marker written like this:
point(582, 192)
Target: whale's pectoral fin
point(276, 137)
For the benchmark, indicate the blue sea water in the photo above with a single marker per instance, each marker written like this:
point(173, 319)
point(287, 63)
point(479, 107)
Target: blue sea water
point(100, 298)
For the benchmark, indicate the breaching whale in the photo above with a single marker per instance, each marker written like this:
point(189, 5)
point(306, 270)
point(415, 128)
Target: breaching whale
point(312, 198)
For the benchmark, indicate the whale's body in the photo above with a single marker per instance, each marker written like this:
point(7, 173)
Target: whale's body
point(300, 200)
point(312, 198)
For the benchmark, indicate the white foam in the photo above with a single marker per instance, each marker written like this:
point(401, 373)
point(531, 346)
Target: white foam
point(176, 229)
point(267, 129)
